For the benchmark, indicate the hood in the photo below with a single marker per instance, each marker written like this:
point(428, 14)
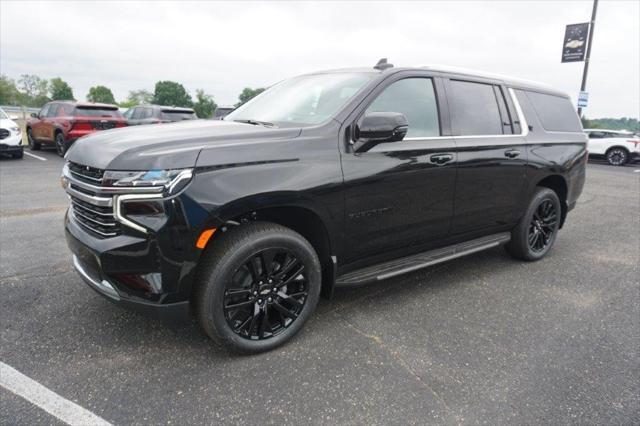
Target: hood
point(166, 146)
point(7, 123)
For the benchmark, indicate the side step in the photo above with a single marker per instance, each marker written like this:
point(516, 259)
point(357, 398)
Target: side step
point(420, 260)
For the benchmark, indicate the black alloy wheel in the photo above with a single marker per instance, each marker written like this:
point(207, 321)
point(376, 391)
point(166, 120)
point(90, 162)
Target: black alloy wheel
point(61, 145)
point(256, 286)
point(33, 145)
point(266, 294)
point(543, 226)
point(617, 156)
point(537, 229)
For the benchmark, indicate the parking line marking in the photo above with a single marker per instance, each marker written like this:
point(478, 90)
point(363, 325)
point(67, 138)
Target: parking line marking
point(65, 410)
point(35, 156)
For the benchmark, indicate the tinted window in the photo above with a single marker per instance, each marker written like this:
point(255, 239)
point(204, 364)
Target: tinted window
point(416, 99)
point(53, 109)
point(555, 113)
point(97, 112)
point(146, 113)
point(43, 112)
point(475, 108)
point(177, 115)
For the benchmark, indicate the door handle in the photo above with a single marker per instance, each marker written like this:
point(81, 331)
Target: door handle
point(511, 153)
point(441, 158)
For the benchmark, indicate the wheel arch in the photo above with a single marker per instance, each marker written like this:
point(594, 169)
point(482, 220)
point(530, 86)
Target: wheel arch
point(558, 184)
point(303, 219)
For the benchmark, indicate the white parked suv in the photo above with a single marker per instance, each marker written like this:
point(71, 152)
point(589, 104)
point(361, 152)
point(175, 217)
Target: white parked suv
point(10, 136)
point(616, 146)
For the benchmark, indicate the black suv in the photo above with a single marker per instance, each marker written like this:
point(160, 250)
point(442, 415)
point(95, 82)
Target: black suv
point(155, 114)
point(336, 178)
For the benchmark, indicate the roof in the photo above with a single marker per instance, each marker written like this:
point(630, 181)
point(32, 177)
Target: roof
point(513, 81)
point(85, 104)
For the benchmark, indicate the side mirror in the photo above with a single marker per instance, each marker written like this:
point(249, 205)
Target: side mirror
point(34, 115)
point(378, 127)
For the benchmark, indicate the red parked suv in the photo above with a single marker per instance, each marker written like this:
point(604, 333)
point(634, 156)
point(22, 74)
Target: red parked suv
point(60, 123)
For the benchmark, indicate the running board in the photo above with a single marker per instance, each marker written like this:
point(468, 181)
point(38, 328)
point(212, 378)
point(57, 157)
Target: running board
point(421, 260)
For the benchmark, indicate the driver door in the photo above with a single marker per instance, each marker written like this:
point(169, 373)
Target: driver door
point(399, 195)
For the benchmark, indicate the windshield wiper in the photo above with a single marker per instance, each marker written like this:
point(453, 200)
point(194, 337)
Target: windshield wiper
point(256, 122)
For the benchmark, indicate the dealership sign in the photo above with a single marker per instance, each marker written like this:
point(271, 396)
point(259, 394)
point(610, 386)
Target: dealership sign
point(575, 42)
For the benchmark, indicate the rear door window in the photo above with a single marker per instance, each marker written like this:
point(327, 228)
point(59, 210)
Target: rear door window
point(178, 115)
point(556, 113)
point(416, 99)
point(475, 109)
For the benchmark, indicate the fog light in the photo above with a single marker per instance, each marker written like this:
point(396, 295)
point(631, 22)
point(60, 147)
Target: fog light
point(147, 283)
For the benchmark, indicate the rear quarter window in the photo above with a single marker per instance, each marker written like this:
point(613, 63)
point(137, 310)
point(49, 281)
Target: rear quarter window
point(556, 113)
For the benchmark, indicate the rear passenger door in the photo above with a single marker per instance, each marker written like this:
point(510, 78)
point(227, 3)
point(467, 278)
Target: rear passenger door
point(492, 157)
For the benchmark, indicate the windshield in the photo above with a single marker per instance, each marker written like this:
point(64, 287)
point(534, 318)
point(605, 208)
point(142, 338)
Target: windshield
point(3, 115)
point(304, 100)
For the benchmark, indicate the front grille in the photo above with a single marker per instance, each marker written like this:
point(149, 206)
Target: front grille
point(86, 174)
point(99, 220)
point(103, 125)
point(4, 133)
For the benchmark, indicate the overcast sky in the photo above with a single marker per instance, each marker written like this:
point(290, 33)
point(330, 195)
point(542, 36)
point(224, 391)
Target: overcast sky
point(222, 47)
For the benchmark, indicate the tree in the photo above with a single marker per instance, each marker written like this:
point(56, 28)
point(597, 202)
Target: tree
point(60, 90)
point(33, 90)
point(172, 94)
point(247, 94)
point(137, 97)
point(8, 91)
point(204, 105)
point(101, 94)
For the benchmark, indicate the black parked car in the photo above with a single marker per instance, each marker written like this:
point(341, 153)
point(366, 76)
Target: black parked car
point(336, 178)
point(155, 114)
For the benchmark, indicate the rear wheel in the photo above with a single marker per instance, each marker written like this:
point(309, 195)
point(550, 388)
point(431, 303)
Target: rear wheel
point(617, 156)
point(256, 287)
point(33, 145)
point(535, 233)
point(61, 144)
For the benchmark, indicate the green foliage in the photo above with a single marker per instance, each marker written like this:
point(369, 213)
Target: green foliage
point(60, 90)
point(9, 94)
point(624, 123)
point(137, 97)
point(204, 105)
point(247, 94)
point(101, 94)
point(33, 91)
point(171, 93)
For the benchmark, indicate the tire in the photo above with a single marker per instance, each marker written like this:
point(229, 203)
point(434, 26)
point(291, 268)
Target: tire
point(61, 144)
point(617, 156)
point(266, 313)
point(33, 145)
point(535, 233)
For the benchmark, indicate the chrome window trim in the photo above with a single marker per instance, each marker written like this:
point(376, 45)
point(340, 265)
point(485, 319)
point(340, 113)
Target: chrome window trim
point(524, 127)
point(117, 208)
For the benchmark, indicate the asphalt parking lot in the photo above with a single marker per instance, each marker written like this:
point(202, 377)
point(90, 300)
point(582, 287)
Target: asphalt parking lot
point(479, 340)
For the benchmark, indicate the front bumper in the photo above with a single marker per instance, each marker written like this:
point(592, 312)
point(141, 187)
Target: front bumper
point(100, 261)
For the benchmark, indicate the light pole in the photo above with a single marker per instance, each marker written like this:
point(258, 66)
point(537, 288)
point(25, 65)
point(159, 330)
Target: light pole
point(592, 26)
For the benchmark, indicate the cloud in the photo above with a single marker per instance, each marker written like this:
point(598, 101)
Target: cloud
point(223, 47)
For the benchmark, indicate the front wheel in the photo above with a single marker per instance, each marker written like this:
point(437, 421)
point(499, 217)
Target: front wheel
point(535, 233)
point(61, 144)
point(33, 145)
point(256, 286)
point(617, 156)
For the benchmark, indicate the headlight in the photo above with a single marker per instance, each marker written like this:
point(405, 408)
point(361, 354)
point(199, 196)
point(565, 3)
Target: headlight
point(172, 180)
point(15, 130)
